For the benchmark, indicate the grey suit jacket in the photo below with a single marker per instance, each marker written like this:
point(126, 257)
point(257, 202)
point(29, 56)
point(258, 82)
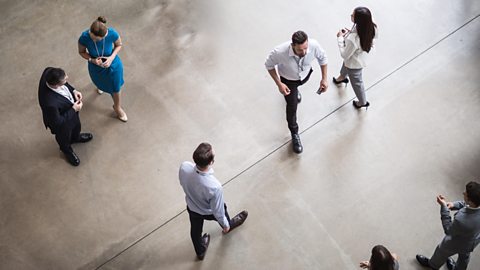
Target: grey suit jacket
point(462, 234)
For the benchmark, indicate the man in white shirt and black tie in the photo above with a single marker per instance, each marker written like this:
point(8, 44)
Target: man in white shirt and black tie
point(293, 62)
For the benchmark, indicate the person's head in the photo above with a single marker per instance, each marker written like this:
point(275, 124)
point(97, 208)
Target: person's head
point(56, 77)
point(203, 156)
point(98, 29)
point(472, 194)
point(362, 18)
point(300, 43)
point(381, 259)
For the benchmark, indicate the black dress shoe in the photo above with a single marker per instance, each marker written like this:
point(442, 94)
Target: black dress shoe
point(238, 220)
point(72, 158)
point(299, 96)
point(297, 144)
point(339, 82)
point(361, 106)
point(422, 260)
point(206, 242)
point(84, 137)
point(451, 264)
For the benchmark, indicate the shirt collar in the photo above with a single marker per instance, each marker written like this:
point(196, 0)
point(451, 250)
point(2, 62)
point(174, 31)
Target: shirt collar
point(291, 53)
point(210, 171)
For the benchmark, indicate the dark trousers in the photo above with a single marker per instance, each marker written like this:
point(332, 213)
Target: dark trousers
point(292, 101)
point(196, 228)
point(66, 136)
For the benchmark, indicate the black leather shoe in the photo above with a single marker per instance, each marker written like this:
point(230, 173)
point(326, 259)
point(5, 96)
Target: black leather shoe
point(206, 242)
point(72, 158)
point(451, 264)
point(361, 106)
point(422, 260)
point(297, 144)
point(84, 137)
point(339, 82)
point(238, 220)
point(299, 96)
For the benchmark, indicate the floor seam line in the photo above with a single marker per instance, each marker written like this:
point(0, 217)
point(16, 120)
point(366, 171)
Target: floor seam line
point(285, 143)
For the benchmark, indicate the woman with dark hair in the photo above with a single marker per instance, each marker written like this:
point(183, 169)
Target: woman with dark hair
point(381, 259)
point(354, 44)
point(100, 46)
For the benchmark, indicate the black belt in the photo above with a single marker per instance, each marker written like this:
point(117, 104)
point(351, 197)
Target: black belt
point(300, 82)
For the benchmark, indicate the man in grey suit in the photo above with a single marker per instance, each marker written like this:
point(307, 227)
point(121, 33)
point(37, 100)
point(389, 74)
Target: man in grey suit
point(462, 235)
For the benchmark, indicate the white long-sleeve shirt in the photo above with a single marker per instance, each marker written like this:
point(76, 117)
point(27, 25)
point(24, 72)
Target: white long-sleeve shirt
point(292, 67)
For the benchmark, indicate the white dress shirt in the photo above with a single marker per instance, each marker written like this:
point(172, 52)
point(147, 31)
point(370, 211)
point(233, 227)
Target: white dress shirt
point(354, 57)
point(292, 67)
point(63, 90)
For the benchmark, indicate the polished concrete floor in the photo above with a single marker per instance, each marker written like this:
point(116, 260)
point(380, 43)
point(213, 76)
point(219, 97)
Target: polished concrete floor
point(194, 72)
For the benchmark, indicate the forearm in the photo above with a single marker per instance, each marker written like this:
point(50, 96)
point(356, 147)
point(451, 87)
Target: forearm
point(115, 51)
point(85, 55)
point(273, 73)
point(446, 218)
point(324, 71)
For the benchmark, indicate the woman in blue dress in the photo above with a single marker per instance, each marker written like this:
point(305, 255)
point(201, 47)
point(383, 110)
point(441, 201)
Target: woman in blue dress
point(100, 46)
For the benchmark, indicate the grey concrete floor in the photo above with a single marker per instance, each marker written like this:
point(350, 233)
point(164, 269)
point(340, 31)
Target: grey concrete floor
point(194, 72)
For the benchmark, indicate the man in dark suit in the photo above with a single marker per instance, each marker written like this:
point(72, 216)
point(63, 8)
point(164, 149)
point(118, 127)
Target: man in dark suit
point(462, 234)
point(60, 104)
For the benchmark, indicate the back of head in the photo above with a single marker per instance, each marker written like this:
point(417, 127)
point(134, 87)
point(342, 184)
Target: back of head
point(99, 27)
point(299, 37)
point(54, 76)
point(473, 193)
point(381, 259)
point(203, 155)
point(362, 17)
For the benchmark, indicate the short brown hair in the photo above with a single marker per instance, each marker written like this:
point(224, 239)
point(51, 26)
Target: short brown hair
point(203, 155)
point(299, 37)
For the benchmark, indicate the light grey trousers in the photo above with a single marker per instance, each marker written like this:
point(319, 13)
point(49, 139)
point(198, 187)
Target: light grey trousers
point(355, 76)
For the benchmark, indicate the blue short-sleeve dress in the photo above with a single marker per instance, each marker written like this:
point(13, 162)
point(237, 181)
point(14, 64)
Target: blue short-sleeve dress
point(109, 79)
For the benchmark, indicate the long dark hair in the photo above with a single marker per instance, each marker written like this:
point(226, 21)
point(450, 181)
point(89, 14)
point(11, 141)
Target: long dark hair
point(365, 27)
point(381, 259)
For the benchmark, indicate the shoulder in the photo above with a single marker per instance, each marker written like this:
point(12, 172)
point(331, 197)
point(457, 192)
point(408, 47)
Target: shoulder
point(84, 37)
point(282, 48)
point(186, 166)
point(113, 33)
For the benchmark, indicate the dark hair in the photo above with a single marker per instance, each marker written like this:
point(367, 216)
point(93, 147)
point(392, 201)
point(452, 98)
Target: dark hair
point(473, 192)
point(203, 155)
point(381, 259)
point(98, 27)
point(365, 27)
point(299, 37)
point(54, 76)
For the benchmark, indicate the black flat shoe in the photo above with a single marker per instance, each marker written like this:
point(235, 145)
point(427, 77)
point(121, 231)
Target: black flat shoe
point(339, 82)
point(451, 264)
point(238, 220)
point(299, 97)
point(84, 137)
point(423, 261)
point(361, 106)
point(297, 144)
point(72, 158)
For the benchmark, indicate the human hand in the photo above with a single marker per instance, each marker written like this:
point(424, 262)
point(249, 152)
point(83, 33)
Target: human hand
point(77, 106)
point(441, 200)
point(108, 61)
point(364, 264)
point(97, 61)
point(342, 32)
point(283, 88)
point(226, 229)
point(78, 95)
point(324, 85)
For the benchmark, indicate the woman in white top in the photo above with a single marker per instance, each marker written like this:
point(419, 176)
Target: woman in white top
point(354, 44)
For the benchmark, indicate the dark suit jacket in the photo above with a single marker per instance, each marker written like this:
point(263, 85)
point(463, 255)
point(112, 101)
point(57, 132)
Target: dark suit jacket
point(57, 110)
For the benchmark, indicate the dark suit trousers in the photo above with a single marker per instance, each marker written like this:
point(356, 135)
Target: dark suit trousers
point(68, 135)
point(292, 101)
point(196, 228)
